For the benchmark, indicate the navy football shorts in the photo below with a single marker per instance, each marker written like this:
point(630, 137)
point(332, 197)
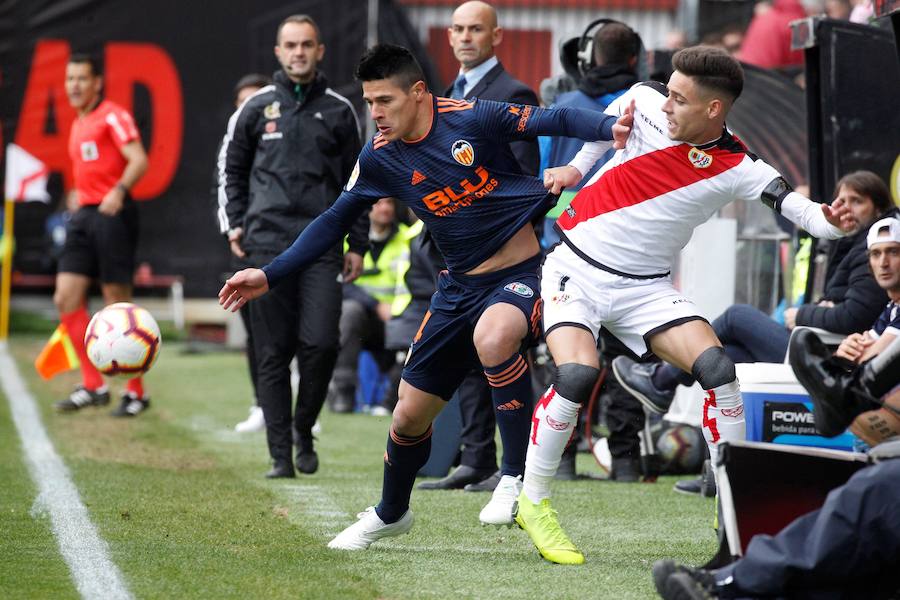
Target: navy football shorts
point(442, 353)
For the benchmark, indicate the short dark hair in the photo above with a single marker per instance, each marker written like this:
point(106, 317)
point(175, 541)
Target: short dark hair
point(299, 19)
point(870, 185)
point(615, 44)
point(712, 68)
point(84, 58)
point(257, 80)
point(387, 61)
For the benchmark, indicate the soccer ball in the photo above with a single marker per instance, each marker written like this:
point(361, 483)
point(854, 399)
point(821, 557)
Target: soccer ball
point(681, 449)
point(123, 339)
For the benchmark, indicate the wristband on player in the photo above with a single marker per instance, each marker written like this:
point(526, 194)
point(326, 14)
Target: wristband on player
point(122, 187)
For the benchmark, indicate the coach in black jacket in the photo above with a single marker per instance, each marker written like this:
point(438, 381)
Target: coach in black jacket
point(473, 36)
point(287, 153)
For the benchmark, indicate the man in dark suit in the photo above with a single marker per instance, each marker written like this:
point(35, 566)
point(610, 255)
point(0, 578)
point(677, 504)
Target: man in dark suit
point(474, 35)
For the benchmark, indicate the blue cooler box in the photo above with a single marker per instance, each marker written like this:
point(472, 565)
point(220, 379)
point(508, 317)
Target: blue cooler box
point(778, 409)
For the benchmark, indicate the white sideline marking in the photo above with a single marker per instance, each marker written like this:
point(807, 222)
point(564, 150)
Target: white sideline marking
point(316, 503)
point(86, 554)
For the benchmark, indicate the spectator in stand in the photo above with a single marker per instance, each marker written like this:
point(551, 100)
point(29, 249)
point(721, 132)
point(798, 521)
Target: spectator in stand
point(862, 12)
point(767, 42)
point(676, 39)
point(367, 304)
point(245, 87)
point(838, 9)
point(852, 301)
point(108, 159)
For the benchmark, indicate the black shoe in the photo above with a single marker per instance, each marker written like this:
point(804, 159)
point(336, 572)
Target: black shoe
point(131, 405)
point(624, 470)
point(705, 485)
point(341, 400)
point(566, 469)
point(282, 468)
point(661, 571)
point(827, 383)
point(343, 404)
point(308, 462)
point(485, 485)
point(457, 480)
point(637, 379)
point(81, 397)
point(689, 486)
point(691, 584)
point(680, 582)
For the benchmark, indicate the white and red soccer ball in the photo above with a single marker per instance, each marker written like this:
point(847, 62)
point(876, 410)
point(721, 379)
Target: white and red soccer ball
point(123, 339)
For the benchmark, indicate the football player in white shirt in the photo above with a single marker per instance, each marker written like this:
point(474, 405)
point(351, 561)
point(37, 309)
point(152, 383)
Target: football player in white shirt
point(619, 237)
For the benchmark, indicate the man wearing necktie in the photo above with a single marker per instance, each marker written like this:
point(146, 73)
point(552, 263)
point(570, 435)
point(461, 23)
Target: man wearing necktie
point(474, 35)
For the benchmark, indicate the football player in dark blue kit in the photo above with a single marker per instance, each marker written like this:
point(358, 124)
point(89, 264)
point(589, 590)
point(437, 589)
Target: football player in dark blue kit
point(449, 161)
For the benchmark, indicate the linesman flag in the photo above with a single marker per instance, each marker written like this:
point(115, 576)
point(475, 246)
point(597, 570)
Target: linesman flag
point(58, 355)
point(26, 176)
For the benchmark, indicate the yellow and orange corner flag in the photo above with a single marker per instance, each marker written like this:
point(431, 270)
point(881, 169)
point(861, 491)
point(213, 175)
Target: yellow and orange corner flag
point(58, 355)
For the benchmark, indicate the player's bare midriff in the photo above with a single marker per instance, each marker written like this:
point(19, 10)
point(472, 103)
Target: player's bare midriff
point(520, 247)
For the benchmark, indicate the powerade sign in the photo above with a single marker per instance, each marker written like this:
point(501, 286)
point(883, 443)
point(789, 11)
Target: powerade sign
point(784, 418)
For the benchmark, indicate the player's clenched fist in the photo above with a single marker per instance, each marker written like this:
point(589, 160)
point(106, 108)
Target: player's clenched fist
point(558, 178)
point(243, 286)
point(622, 128)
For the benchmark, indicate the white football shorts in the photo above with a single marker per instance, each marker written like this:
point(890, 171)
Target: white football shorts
point(579, 294)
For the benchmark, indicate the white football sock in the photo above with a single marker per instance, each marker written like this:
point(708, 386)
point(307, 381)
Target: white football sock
point(723, 417)
point(552, 424)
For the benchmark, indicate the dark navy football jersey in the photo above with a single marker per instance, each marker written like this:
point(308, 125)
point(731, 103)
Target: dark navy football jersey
point(460, 179)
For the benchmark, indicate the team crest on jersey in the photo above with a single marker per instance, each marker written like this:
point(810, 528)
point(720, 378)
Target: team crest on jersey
point(354, 175)
point(519, 288)
point(463, 152)
point(89, 151)
point(272, 111)
point(699, 158)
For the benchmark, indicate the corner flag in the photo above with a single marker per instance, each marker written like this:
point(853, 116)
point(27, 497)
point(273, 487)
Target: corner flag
point(26, 179)
point(26, 176)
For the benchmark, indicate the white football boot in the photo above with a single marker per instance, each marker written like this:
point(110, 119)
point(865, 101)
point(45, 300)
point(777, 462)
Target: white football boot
point(254, 422)
point(370, 528)
point(501, 509)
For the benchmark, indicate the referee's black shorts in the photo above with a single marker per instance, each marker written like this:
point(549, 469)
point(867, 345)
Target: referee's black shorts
point(101, 247)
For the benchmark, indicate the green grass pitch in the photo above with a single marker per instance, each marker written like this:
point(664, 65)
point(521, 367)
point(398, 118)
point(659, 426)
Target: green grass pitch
point(181, 501)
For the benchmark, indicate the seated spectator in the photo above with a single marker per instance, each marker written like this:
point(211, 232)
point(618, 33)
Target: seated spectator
point(367, 304)
point(852, 300)
point(767, 43)
point(884, 261)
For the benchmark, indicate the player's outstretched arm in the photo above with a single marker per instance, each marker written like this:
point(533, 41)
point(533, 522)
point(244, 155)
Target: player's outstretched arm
point(826, 221)
point(819, 220)
point(243, 286)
